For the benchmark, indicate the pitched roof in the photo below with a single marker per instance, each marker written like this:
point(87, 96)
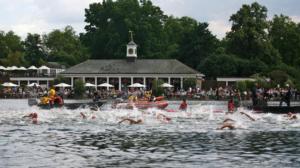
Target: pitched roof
point(140, 66)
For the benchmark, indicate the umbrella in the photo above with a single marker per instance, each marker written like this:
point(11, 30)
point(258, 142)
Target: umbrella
point(21, 69)
point(2, 68)
point(33, 84)
point(9, 84)
point(166, 85)
point(62, 85)
point(11, 68)
point(136, 85)
point(44, 68)
point(105, 85)
point(89, 85)
point(32, 68)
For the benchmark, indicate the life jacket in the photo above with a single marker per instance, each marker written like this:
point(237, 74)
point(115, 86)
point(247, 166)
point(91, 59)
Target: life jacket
point(45, 100)
point(230, 106)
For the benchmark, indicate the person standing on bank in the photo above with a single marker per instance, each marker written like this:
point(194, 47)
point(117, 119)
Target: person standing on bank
point(254, 95)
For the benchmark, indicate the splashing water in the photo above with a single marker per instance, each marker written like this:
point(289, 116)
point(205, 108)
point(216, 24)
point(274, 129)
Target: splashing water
point(62, 138)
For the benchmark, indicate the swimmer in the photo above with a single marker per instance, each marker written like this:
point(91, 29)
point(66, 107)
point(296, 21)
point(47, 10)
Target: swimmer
point(227, 123)
point(183, 105)
point(291, 116)
point(33, 116)
point(83, 116)
point(163, 118)
point(247, 115)
point(131, 121)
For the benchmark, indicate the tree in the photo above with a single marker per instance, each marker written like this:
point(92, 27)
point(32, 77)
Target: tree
point(65, 47)
point(248, 37)
point(9, 44)
point(79, 88)
point(285, 36)
point(109, 23)
point(196, 45)
point(34, 49)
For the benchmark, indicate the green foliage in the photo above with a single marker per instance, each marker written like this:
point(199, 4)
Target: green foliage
point(156, 89)
point(279, 77)
point(241, 85)
point(285, 37)
point(189, 82)
point(34, 51)
point(79, 88)
point(65, 47)
point(248, 38)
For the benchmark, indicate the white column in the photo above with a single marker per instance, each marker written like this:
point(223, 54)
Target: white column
point(96, 83)
point(38, 82)
point(169, 80)
point(131, 80)
point(72, 82)
point(181, 83)
point(107, 81)
point(19, 82)
point(144, 81)
point(120, 84)
point(83, 79)
point(226, 83)
point(28, 82)
point(47, 84)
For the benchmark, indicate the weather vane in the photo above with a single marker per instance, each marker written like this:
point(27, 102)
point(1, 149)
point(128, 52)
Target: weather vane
point(131, 35)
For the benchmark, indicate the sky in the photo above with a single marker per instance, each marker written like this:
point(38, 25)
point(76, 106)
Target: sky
point(43, 16)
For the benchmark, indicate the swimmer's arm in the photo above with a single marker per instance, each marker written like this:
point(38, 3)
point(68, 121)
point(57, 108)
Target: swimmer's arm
point(127, 119)
point(251, 118)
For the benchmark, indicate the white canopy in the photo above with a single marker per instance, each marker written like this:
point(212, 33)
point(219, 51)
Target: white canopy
point(105, 85)
point(136, 85)
point(62, 85)
point(22, 68)
point(11, 68)
point(33, 84)
point(44, 68)
point(89, 85)
point(9, 84)
point(32, 67)
point(2, 68)
point(166, 85)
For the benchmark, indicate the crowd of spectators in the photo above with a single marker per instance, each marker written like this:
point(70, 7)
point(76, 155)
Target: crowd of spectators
point(219, 93)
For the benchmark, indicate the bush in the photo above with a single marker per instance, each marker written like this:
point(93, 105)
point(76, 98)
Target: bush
point(190, 82)
point(241, 85)
point(79, 88)
point(156, 89)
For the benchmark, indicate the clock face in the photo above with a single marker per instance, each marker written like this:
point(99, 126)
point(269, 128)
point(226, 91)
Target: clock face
point(130, 51)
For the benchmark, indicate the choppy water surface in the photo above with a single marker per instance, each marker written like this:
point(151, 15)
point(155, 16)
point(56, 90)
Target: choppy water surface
point(63, 139)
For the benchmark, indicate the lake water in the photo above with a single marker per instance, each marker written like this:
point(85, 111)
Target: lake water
point(63, 139)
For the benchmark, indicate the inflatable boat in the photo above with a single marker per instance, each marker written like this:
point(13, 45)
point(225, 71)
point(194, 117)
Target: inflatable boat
point(146, 104)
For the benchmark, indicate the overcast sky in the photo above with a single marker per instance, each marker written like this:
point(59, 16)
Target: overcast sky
point(42, 16)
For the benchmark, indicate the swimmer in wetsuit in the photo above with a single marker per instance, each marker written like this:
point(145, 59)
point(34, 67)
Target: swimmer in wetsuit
point(131, 121)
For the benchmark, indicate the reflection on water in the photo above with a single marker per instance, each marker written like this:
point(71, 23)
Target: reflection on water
point(63, 139)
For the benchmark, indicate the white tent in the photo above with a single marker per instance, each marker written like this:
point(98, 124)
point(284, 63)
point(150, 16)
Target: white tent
point(33, 84)
point(9, 84)
point(44, 68)
point(32, 68)
point(22, 68)
point(11, 68)
point(136, 85)
point(2, 68)
point(89, 85)
point(166, 85)
point(62, 85)
point(105, 85)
